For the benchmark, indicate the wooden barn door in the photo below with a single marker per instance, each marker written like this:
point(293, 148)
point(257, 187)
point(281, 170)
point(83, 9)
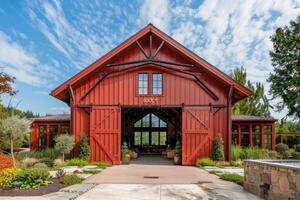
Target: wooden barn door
point(105, 134)
point(197, 134)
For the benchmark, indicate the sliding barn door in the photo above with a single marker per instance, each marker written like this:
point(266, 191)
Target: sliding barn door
point(197, 134)
point(105, 134)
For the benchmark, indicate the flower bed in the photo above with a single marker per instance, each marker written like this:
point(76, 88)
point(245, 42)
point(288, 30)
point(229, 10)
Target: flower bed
point(6, 161)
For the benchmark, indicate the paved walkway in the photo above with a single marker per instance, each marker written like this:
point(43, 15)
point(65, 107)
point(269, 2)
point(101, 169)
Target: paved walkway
point(159, 181)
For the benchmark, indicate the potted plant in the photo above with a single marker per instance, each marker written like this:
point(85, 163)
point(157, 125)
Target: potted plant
point(125, 154)
point(177, 157)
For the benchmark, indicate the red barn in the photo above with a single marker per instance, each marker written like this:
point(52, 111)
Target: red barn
point(151, 92)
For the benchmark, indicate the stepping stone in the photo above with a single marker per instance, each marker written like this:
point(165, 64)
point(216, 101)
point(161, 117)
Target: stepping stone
point(84, 176)
point(61, 195)
point(89, 167)
point(78, 188)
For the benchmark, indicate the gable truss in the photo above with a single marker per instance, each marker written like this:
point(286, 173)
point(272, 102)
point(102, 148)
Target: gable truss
point(150, 59)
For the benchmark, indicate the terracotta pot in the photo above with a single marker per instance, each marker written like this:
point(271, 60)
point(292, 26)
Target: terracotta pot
point(177, 160)
point(126, 160)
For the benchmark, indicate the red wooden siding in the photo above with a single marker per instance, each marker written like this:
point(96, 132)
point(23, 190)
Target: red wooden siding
point(105, 134)
point(197, 134)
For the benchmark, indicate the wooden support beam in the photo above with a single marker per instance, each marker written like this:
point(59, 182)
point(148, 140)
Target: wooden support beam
point(239, 134)
point(229, 123)
point(158, 49)
point(142, 49)
point(71, 92)
point(200, 83)
point(273, 138)
point(250, 135)
point(262, 137)
point(150, 45)
point(47, 135)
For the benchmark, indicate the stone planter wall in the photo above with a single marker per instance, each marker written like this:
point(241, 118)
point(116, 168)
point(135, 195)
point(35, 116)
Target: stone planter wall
point(280, 181)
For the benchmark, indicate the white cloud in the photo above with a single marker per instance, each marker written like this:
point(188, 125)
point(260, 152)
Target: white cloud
point(156, 12)
point(231, 33)
point(18, 62)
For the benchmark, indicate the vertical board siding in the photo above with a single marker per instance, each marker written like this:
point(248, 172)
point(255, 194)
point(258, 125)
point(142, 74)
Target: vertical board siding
point(121, 89)
point(197, 127)
point(105, 134)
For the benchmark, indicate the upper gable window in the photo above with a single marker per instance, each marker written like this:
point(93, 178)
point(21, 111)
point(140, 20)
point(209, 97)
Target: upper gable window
point(157, 84)
point(143, 84)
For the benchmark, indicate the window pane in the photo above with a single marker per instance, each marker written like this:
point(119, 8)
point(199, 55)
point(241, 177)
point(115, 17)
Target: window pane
point(143, 84)
point(255, 139)
point(234, 139)
point(137, 138)
point(53, 134)
point(159, 91)
point(157, 84)
point(145, 138)
point(138, 123)
point(155, 120)
point(146, 121)
point(154, 138)
point(42, 137)
point(163, 138)
point(162, 124)
point(267, 142)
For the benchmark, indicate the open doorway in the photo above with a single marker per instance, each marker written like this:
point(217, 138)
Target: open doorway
point(151, 132)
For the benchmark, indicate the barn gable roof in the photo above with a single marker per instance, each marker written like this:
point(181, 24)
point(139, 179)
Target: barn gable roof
point(239, 91)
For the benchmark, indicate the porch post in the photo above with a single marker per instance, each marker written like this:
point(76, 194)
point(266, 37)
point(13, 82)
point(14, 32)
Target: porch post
point(262, 135)
point(58, 129)
point(239, 134)
point(47, 135)
point(250, 135)
point(273, 136)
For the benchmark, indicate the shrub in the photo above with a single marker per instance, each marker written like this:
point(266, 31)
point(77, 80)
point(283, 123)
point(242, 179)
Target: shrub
point(124, 150)
point(205, 162)
point(60, 173)
point(76, 162)
point(91, 171)
point(178, 149)
point(237, 163)
point(29, 162)
point(236, 152)
point(222, 164)
point(218, 148)
point(232, 177)
point(84, 148)
point(253, 153)
point(283, 150)
point(33, 178)
point(296, 155)
point(297, 148)
point(6, 161)
point(70, 179)
point(64, 144)
point(40, 165)
point(272, 154)
point(58, 162)
point(50, 154)
point(102, 164)
point(7, 176)
point(215, 172)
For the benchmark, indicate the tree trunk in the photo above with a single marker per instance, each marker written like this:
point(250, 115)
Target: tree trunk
point(12, 152)
point(63, 157)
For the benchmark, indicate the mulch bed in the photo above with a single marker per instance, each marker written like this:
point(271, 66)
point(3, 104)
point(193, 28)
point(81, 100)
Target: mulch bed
point(53, 187)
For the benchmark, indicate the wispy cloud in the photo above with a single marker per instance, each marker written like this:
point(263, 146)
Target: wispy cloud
point(24, 65)
point(228, 34)
point(86, 37)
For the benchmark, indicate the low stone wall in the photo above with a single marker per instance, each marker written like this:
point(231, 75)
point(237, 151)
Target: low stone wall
point(272, 180)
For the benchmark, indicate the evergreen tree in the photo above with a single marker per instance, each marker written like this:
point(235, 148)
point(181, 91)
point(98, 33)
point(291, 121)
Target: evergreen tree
point(285, 79)
point(257, 104)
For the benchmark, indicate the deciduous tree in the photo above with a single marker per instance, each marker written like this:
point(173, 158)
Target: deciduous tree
point(285, 78)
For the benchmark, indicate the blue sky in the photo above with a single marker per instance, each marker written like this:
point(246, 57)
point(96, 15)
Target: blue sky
point(43, 43)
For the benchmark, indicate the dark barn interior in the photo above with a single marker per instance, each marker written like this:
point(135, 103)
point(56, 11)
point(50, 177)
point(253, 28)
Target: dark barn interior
point(151, 130)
